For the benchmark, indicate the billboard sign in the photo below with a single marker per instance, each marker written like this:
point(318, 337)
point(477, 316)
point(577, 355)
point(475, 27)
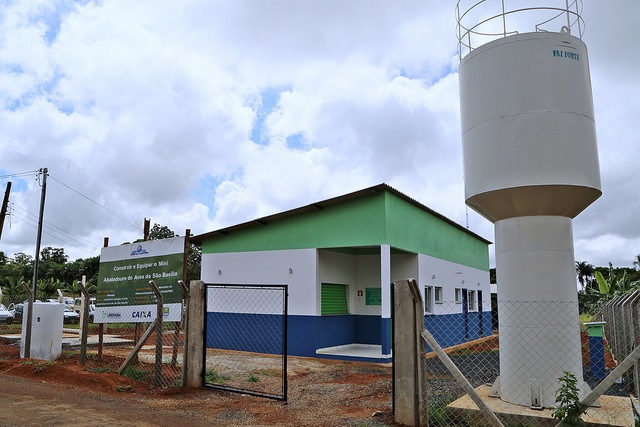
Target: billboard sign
point(124, 294)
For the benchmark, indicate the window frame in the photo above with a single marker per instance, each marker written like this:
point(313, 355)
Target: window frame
point(472, 300)
point(438, 294)
point(428, 299)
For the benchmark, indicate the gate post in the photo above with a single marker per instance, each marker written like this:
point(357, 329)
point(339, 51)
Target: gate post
point(194, 350)
point(409, 371)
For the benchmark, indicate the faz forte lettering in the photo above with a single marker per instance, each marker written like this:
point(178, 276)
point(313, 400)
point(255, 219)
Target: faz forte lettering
point(566, 54)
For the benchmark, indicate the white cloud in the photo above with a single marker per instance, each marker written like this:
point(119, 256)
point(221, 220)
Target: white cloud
point(149, 109)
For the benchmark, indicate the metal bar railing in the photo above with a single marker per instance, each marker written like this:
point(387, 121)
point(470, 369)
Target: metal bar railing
point(468, 33)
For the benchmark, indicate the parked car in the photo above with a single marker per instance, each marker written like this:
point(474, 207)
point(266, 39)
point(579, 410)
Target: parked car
point(17, 312)
point(92, 311)
point(6, 315)
point(77, 303)
point(70, 315)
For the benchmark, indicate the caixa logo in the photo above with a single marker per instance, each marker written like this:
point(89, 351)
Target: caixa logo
point(142, 314)
point(139, 251)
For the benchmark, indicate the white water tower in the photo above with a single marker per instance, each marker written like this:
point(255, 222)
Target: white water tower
point(530, 166)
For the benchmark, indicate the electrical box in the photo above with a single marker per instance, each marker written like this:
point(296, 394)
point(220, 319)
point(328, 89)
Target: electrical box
point(46, 331)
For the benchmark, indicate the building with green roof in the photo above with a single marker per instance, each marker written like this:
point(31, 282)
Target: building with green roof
point(339, 257)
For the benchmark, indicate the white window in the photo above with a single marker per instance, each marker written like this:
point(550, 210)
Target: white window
point(438, 294)
point(428, 298)
point(458, 295)
point(471, 299)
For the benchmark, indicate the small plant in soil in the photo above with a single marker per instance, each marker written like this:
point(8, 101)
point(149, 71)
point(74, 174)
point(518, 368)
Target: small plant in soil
point(253, 378)
point(38, 366)
point(568, 398)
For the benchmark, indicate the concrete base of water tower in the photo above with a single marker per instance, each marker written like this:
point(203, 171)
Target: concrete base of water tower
point(613, 411)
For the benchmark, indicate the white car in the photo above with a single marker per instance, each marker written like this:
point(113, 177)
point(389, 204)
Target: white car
point(70, 315)
point(6, 315)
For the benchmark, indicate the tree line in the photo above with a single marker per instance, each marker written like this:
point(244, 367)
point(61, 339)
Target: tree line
point(600, 284)
point(55, 271)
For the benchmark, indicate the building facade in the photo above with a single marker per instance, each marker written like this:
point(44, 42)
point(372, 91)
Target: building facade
point(339, 258)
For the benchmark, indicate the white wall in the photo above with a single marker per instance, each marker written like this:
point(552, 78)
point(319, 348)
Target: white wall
point(404, 266)
point(310, 268)
point(449, 275)
point(338, 268)
point(268, 267)
point(367, 276)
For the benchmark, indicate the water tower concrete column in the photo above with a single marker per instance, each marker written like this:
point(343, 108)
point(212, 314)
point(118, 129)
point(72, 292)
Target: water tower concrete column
point(538, 308)
point(530, 166)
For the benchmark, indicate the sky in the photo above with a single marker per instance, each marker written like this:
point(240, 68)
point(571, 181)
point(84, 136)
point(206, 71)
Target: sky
point(201, 114)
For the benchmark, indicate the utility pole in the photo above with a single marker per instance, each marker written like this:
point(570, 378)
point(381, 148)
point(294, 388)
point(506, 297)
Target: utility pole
point(44, 172)
point(5, 203)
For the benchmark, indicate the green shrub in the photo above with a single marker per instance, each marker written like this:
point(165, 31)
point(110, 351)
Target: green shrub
point(568, 398)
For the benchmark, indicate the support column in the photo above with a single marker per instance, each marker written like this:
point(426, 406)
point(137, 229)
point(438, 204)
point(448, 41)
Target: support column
point(538, 308)
point(385, 291)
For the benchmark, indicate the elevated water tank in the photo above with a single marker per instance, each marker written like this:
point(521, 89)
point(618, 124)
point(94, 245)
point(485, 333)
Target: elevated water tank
point(530, 166)
point(528, 127)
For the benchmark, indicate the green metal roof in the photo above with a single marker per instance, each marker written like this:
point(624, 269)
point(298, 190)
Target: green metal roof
point(357, 223)
point(319, 206)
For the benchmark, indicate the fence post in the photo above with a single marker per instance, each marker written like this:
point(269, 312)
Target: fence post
point(27, 334)
point(159, 324)
point(185, 326)
point(409, 399)
point(194, 357)
point(85, 320)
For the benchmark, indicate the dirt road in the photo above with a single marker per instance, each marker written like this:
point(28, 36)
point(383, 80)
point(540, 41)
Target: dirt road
point(323, 393)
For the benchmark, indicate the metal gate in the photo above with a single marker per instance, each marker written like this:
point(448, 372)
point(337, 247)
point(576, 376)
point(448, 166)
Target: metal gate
point(246, 339)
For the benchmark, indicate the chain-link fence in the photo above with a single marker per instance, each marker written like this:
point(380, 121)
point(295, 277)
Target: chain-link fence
point(246, 339)
point(142, 351)
point(539, 365)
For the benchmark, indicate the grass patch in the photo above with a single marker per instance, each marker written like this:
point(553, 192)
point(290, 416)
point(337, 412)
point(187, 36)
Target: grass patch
point(123, 388)
point(100, 370)
point(253, 378)
point(211, 376)
point(438, 415)
point(134, 373)
point(67, 354)
point(269, 372)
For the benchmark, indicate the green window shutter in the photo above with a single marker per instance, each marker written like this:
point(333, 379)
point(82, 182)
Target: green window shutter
point(333, 299)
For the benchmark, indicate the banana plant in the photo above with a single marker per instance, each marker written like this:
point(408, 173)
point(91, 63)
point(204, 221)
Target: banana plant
point(614, 285)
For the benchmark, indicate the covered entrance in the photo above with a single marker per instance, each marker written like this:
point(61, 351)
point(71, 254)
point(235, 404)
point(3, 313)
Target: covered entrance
point(354, 300)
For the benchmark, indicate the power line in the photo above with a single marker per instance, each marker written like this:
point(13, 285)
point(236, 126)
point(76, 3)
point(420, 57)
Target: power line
point(37, 172)
point(123, 218)
point(19, 174)
point(57, 233)
point(52, 230)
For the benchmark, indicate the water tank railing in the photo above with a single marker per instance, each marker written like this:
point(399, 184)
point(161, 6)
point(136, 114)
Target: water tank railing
point(499, 25)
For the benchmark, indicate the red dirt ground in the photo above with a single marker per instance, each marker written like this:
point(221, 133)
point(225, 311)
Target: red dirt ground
point(321, 393)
